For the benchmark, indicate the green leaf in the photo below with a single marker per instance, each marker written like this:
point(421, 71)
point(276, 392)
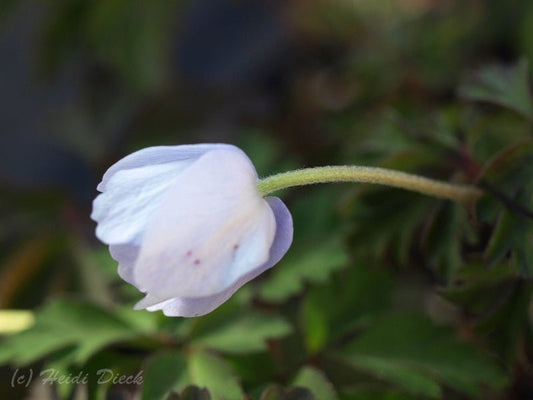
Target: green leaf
point(441, 241)
point(214, 373)
point(350, 299)
point(83, 327)
point(410, 351)
point(132, 36)
point(162, 373)
point(510, 169)
point(399, 373)
point(507, 86)
point(386, 221)
point(315, 380)
point(476, 285)
point(312, 265)
point(245, 333)
point(511, 312)
point(502, 238)
point(509, 178)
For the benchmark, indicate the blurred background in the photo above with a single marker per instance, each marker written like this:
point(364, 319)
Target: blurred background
point(384, 294)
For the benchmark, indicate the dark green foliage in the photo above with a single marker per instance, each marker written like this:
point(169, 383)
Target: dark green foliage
point(384, 294)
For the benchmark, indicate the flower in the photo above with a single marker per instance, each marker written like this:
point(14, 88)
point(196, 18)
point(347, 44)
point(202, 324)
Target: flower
point(188, 225)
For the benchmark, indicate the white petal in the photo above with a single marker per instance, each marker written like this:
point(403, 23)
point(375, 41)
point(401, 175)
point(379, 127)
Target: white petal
point(160, 155)
point(126, 256)
point(130, 198)
point(211, 229)
point(133, 187)
point(193, 307)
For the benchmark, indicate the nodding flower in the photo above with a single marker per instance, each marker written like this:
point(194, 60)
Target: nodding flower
point(188, 225)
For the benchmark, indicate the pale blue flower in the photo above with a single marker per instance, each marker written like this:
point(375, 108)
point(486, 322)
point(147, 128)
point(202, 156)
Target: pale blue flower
point(188, 225)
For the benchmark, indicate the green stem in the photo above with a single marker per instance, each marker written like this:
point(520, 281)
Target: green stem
point(464, 194)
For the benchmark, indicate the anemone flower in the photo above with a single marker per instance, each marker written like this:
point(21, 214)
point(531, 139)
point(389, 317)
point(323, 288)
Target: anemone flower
point(188, 225)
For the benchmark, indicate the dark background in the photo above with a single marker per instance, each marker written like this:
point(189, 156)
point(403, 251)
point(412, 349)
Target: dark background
point(421, 300)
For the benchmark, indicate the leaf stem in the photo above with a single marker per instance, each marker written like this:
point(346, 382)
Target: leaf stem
point(463, 194)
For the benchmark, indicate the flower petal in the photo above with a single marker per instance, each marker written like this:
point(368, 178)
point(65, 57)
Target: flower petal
point(211, 229)
point(193, 307)
point(284, 232)
point(131, 196)
point(126, 256)
point(134, 186)
point(160, 155)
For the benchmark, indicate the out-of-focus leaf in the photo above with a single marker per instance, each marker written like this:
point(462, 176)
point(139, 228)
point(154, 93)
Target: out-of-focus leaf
point(162, 374)
point(298, 393)
point(85, 327)
point(513, 315)
point(501, 239)
point(385, 221)
point(315, 380)
point(132, 36)
point(366, 393)
point(214, 373)
point(276, 392)
point(507, 86)
point(509, 178)
point(195, 393)
point(322, 204)
point(142, 322)
point(312, 265)
point(411, 352)
point(510, 169)
point(442, 239)
point(245, 333)
point(399, 373)
point(351, 298)
point(475, 287)
point(273, 392)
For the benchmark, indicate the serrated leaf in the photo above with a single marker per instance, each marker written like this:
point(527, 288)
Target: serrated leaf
point(315, 381)
point(246, 333)
point(312, 265)
point(162, 374)
point(507, 86)
point(85, 327)
point(412, 351)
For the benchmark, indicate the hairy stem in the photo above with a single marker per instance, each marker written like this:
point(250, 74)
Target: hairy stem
point(463, 194)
